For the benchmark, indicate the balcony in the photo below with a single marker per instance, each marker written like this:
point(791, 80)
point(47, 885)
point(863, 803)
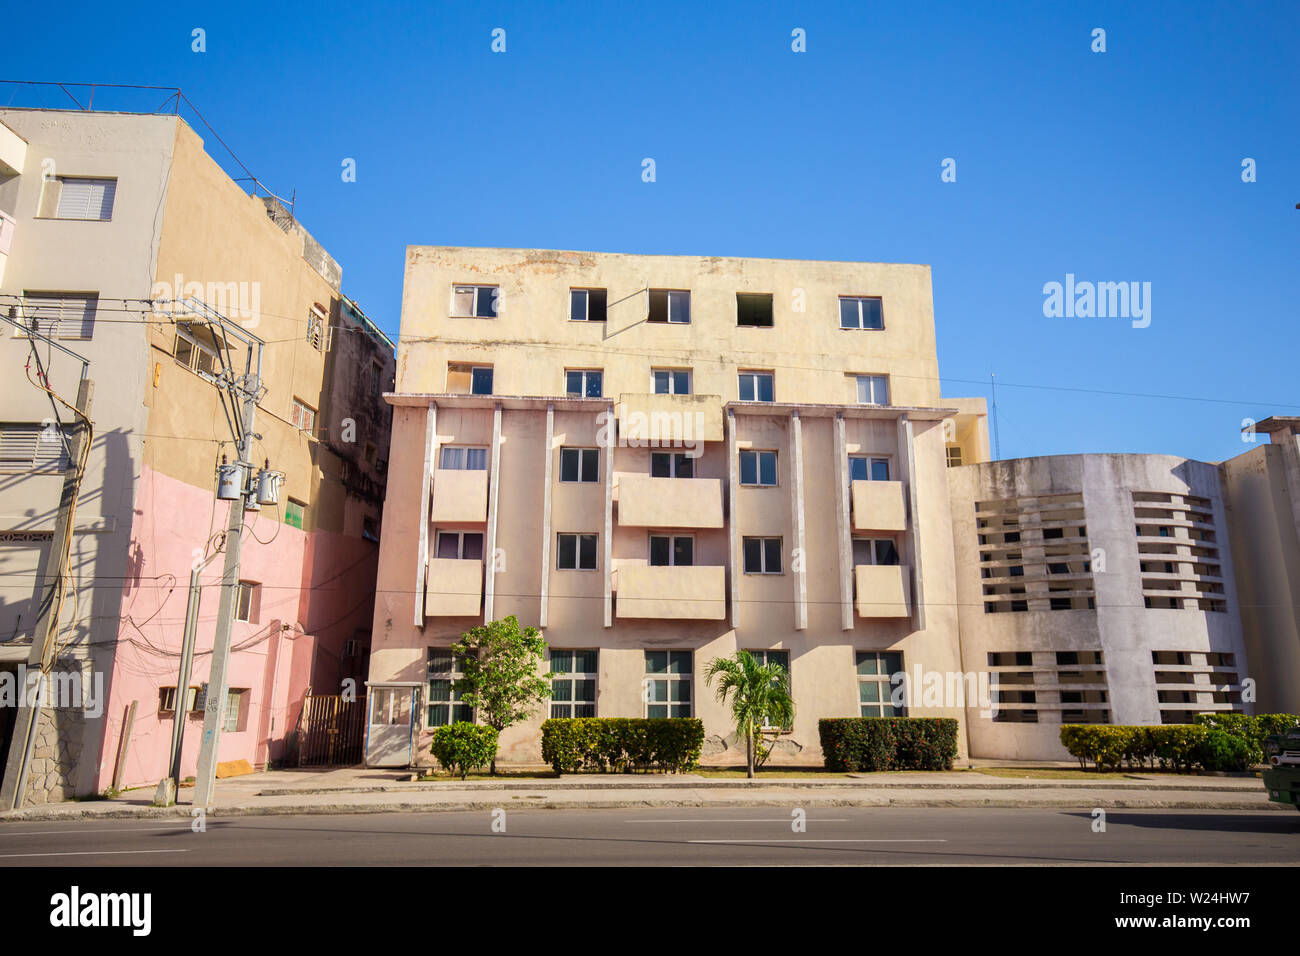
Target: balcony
point(668, 421)
point(459, 495)
point(879, 506)
point(697, 592)
point(453, 588)
point(6, 241)
point(645, 502)
point(883, 590)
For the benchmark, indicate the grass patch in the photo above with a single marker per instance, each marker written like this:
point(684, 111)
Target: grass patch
point(1048, 773)
point(483, 775)
point(738, 773)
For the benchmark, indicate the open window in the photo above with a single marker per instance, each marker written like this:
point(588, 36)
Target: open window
point(754, 309)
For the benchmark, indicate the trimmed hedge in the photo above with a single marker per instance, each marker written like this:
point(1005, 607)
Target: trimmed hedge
point(1232, 742)
point(619, 744)
point(888, 743)
point(462, 746)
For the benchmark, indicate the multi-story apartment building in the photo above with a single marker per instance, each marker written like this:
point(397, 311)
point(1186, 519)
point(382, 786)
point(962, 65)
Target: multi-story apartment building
point(659, 460)
point(106, 217)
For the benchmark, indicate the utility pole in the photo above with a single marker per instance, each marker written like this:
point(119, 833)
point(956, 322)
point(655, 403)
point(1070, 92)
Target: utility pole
point(997, 445)
point(46, 631)
point(187, 666)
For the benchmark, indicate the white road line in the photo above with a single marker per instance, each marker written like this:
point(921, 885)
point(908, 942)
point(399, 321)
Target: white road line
point(815, 840)
point(751, 820)
point(21, 833)
point(12, 856)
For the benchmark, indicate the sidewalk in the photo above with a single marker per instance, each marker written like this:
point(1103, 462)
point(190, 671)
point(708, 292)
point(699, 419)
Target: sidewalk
point(361, 790)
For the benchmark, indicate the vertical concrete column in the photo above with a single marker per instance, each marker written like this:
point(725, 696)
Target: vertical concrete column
point(843, 538)
point(797, 518)
point(907, 449)
point(547, 469)
point(426, 493)
point(610, 426)
point(733, 542)
point(494, 492)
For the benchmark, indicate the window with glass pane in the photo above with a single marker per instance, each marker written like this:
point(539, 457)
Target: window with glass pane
point(873, 390)
point(757, 468)
point(575, 552)
point(757, 387)
point(672, 550)
point(867, 468)
point(234, 699)
point(875, 686)
point(465, 545)
point(762, 555)
point(671, 381)
point(580, 464)
point(583, 383)
point(665, 464)
point(874, 551)
point(861, 312)
point(668, 683)
point(446, 702)
point(587, 305)
point(573, 688)
point(481, 381)
point(461, 458)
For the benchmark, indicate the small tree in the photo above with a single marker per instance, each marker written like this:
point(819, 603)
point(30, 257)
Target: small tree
point(462, 746)
point(759, 695)
point(500, 665)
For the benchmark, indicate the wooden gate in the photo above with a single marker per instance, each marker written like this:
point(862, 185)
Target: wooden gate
point(331, 731)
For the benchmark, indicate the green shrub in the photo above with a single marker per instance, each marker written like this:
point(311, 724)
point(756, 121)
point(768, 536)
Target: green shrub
point(1251, 729)
point(1222, 750)
point(462, 746)
point(620, 744)
point(887, 743)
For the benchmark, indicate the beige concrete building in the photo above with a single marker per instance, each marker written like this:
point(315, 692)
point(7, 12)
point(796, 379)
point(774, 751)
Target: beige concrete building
point(662, 459)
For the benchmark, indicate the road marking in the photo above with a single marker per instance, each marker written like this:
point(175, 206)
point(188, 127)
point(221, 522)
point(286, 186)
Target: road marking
point(11, 856)
point(21, 833)
point(751, 820)
point(815, 840)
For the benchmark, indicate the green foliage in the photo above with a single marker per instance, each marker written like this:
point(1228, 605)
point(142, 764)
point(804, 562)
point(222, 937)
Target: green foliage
point(888, 743)
point(501, 681)
point(1233, 742)
point(759, 695)
point(462, 746)
point(620, 744)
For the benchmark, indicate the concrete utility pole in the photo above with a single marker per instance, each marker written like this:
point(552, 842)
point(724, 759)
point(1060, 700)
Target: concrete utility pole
point(181, 712)
point(214, 707)
point(46, 631)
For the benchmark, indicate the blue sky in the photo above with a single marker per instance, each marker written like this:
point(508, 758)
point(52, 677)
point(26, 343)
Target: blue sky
point(1115, 166)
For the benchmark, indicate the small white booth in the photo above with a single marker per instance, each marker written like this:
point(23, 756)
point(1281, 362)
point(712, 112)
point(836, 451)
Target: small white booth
point(392, 722)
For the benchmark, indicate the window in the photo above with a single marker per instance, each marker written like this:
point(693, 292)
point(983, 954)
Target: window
point(669, 305)
point(295, 514)
point(89, 199)
point(575, 552)
point(860, 312)
point(954, 456)
point(463, 458)
point(762, 555)
point(369, 528)
point(32, 447)
point(460, 545)
point(668, 683)
point(587, 305)
point(580, 464)
point(873, 390)
point(197, 355)
point(667, 464)
point(60, 315)
point(302, 416)
point(318, 329)
point(868, 468)
point(672, 550)
point(469, 379)
point(248, 601)
point(754, 309)
point(781, 659)
point(875, 669)
point(475, 301)
point(583, 382)
point(874, 551)
point(167, 700)
point(442, 670)
point(670, 381)
point(758, 468)
point(235, 710)
point(376, 378)
point(573, 688)
point(757, 387)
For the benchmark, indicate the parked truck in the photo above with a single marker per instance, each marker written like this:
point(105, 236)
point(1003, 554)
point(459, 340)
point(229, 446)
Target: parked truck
point(1282, 776)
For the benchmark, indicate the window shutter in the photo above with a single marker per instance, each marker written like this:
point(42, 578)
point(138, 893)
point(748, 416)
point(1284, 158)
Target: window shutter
point(61, 316)
point(87, 199)
point(18, 444)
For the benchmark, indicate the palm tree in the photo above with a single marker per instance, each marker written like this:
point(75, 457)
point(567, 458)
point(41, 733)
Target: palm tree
point(759, 695)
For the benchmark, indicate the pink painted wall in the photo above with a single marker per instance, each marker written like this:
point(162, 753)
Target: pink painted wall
point(317, 592)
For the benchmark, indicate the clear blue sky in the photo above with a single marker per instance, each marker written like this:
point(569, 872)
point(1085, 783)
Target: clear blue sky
point(1115, 166)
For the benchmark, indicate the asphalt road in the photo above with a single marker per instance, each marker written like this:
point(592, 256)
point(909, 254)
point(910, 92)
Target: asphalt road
point(672, 837)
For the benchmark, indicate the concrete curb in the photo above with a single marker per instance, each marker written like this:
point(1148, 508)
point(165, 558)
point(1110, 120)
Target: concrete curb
point(317, 809)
